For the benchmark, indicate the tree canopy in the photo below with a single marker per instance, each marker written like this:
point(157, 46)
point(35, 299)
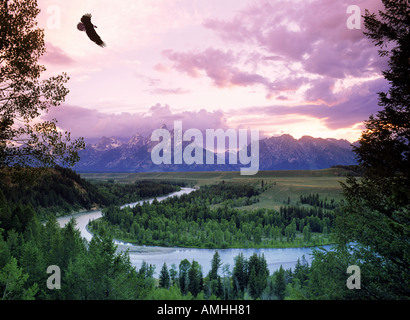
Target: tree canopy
point(378, 204)
point(26, 140)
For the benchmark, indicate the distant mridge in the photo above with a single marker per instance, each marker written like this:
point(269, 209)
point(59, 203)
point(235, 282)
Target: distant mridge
point(275, 153)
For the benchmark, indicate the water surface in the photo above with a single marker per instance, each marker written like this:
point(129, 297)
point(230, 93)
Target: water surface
point(156, 256)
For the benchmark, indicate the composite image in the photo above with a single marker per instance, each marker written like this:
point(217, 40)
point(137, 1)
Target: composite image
point(205, 158)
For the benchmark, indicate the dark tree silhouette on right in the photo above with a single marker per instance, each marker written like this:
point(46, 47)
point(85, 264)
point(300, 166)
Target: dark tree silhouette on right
point(376, 215)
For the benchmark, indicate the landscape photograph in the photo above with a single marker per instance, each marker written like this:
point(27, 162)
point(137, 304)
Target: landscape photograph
point(205, 158)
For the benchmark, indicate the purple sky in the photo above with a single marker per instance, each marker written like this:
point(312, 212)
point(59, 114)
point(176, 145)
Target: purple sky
point(278, 66)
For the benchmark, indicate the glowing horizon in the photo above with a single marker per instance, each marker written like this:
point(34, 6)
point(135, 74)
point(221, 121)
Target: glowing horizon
point(275, 66)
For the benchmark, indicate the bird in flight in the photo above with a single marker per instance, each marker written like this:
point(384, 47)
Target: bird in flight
point(89, 28)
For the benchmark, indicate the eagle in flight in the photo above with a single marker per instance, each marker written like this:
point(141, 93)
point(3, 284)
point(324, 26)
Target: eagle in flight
point(89, 28)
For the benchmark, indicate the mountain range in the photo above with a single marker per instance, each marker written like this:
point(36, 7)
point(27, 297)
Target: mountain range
point(275, 153)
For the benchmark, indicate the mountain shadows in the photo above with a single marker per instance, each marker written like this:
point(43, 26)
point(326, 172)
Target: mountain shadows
point(275, 153)
point(306, 153)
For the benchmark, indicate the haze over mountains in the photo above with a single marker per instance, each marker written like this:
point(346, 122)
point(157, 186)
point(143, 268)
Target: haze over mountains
point(111, 154)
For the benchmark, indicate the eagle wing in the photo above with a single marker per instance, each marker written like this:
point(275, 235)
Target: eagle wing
point(90, 30)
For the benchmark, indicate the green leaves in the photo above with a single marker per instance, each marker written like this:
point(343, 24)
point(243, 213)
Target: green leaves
point(377, 212)
point(24, 139)
point(12, 281)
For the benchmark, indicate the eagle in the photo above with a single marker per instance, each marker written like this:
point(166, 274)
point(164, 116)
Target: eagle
point(89, 28)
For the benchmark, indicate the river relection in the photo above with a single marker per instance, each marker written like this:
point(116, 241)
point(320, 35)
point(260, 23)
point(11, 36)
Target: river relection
point(287, 257)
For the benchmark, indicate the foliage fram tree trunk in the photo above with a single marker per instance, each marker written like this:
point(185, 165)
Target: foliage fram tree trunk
point(25, 140)
point(377, 214)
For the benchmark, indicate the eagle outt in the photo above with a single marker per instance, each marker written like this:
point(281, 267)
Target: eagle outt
point(89, 28)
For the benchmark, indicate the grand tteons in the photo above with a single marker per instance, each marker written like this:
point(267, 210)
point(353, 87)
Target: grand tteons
point(214, 142)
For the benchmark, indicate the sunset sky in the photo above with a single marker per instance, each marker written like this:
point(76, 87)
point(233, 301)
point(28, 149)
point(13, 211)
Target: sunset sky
point(278, 66)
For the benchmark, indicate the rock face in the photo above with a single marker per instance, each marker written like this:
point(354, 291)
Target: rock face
point(306, 153)
point(275, 153)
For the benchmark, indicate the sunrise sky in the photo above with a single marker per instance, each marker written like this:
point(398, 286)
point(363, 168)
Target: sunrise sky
point(278, 66)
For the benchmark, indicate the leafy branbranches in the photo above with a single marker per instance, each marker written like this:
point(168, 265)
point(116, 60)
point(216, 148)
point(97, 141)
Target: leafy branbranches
point(377, 209)
point(24, 139)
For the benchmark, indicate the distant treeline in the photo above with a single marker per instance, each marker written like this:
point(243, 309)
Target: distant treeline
point(119, 194)
point(313, 200)
point(190, 221)
point(57, 190)
point(355, 170)
point(62, 191)
point(98, 271)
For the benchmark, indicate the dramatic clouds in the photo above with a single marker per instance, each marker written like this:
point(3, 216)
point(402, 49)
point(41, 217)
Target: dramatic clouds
point(94, 124)
point(55, 56)
point(355, 108)
point(308, 43)
point(281, 66)
point(220, 67)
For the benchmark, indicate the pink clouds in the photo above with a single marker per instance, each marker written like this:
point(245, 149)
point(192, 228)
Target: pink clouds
point(94, 124)
point(219, 66)
point(164, 91)
point(56, 56)
point(345, 113)
point(293, 59)
point(293, 30)
point(322, 89)
point(215, 63)
point(312, 34)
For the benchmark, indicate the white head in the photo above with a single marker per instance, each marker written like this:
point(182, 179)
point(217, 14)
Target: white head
point(81, 26)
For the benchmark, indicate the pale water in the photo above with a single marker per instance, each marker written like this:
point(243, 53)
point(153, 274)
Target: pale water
point(156, 256)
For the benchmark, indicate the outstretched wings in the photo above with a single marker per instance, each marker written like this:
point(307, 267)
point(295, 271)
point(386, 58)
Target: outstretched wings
point(90, 30)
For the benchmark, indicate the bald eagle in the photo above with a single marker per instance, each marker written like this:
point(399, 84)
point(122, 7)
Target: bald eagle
point(89, 28)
